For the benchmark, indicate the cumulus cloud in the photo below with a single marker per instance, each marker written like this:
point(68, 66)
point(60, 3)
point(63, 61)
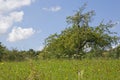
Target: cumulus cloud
point(9, 5)
point(9, 15)
point(53, 9)
point(7, 21)
point(19, 33)
point(17, 16)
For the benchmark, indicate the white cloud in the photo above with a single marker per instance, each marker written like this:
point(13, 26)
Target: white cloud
point(9, 5)
point(7, 21)
point(17, 16)
point(12, 16)
point(39, 48)
point(53, 9)
point(20, 34)
point(9, 15)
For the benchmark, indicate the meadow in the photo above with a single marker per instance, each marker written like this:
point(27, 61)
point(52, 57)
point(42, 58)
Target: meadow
point(61, 70)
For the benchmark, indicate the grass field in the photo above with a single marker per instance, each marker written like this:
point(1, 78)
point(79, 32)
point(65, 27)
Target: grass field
point(61, 70)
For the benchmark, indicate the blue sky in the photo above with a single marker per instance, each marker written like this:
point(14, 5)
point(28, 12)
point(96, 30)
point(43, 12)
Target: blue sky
point(25, 24)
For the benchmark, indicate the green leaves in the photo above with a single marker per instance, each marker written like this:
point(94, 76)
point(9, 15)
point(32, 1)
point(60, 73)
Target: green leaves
point(73, 41)
point(81, 19)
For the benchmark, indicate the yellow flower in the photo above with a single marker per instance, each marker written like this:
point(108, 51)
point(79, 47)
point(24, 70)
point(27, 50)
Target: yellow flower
point(98, 69)
point(2, 63)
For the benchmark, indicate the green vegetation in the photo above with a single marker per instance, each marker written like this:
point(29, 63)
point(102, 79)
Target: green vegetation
point(80, 52)
point(76, 40)
point(16, 55)
point(61, 70)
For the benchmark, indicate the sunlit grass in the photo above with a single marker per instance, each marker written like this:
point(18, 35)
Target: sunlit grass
point(61, 70)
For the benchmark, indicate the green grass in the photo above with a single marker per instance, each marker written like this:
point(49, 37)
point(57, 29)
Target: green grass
point(61, 70)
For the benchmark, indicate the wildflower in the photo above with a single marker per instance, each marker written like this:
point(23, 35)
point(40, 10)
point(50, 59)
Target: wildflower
point(2, 63)
point(98, 69)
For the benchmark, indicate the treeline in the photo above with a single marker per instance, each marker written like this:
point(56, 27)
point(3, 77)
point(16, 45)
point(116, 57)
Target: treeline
point(16, 55)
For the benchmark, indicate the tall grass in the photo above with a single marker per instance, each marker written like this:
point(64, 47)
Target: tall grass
point(61, 70)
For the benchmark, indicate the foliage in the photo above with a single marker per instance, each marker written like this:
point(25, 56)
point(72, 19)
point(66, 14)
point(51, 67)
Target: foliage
point(115, 52)
point(2, 51)
point(74, 41)
point(16, 55)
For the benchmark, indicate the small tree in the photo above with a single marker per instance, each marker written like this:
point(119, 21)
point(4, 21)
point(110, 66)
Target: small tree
point(2, 51)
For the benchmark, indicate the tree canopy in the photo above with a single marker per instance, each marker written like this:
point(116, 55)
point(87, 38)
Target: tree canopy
point(74, 41)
